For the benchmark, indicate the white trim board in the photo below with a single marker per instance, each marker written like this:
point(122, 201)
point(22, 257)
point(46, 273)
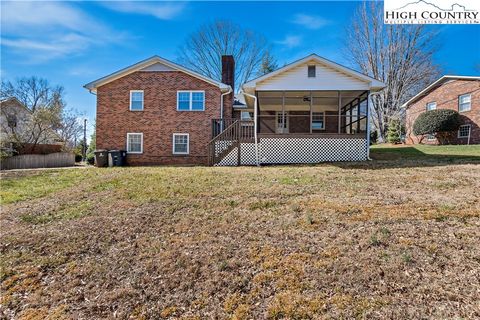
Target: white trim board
point(92, 86)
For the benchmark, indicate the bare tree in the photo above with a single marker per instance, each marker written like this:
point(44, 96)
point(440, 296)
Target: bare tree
point(203, 49)
point(48, 120)
point(33, 92)
point(70, 129)
point(269, 64)
point(399, 55)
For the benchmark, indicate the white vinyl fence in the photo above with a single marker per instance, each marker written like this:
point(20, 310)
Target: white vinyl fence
point(28, 161)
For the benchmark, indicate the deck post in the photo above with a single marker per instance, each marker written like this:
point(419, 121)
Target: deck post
point(239, 142)
point(283, 112)
point(358, 115)
point(311, 112)
point(339, 112)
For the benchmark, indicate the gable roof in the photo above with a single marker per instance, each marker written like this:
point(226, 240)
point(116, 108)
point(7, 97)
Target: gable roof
point(92, 86)
point(17, 102)
point(374, 83)
point(435, 85)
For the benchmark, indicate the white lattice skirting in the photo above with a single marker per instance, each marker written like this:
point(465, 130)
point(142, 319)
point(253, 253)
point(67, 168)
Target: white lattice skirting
point(298, 150)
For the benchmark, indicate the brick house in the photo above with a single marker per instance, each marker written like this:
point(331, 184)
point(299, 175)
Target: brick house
point(459, 93)
point(309, 111)
point(160, 112)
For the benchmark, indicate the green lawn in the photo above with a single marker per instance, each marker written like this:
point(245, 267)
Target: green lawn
point(390, 238)
point(450, 152)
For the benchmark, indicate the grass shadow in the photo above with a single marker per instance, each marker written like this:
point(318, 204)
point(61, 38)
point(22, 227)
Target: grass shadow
point(385, 157)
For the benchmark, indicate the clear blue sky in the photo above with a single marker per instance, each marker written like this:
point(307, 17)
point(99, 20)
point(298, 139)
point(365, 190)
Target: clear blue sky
point(73, 43)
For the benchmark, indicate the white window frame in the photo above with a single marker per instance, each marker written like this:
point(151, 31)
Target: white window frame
point(469, 131)
point(141, 142)
point(469, 103)
point(324, 124)
point(434, 103)
point(314, 71)
point(190, 101)
point(188, 143)
point(143, 99)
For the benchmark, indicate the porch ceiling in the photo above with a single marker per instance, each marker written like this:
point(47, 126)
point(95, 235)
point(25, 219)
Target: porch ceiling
point(298, 100)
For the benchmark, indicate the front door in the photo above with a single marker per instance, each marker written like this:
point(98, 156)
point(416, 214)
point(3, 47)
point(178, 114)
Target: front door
point(282, 122)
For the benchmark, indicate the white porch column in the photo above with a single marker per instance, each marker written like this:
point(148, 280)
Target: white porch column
point(339, 112)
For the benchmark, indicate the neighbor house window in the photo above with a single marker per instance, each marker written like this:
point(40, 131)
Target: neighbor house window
point(464, 102)
point(190, 100)
point(311, 71)
point(12, 120)
point(136, 100)
point(318, 121)
point(431, 106)
point(247, 118)
point(245, 115)
point(181, 143)
point(464, 131)
point(135, 142)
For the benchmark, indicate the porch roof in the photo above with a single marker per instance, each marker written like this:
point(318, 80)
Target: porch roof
point(328, 76)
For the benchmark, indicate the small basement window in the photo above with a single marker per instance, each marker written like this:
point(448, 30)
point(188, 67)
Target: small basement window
point(311, 71)
point(136, 100)
point(431, 106)
point(464, 131)
point(181, 142)
point(135, 142)
point(464, 102)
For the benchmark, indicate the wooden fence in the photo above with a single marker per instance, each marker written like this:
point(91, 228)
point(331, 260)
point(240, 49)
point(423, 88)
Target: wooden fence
point(29, 161)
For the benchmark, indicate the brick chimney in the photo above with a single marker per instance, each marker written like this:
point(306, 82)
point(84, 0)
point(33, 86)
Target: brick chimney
point(228, 71)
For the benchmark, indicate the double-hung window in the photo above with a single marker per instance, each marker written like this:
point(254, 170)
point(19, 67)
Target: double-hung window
point(464, 131)
point(136, 100)
point(181, 143)
point(464, 102)
point(431, 106)
point(318, 121)
point(191, 100)
point(135, 142)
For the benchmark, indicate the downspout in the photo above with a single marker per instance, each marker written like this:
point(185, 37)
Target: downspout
point(254, 124)
point(221, 106)
point(369, 109)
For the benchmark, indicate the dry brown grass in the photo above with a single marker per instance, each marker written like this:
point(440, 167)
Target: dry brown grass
point(297, 242)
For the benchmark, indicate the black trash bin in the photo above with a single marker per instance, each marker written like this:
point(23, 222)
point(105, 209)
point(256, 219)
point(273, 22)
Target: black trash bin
point(101, 158)
point(117, 158)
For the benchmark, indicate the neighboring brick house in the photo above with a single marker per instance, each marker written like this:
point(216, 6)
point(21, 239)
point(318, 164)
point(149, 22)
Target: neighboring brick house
point(160, 112)
point(459, 93)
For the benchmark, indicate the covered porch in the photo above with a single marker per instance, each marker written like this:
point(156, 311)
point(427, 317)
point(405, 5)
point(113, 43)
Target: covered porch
point(309, 113)
point(312, 110)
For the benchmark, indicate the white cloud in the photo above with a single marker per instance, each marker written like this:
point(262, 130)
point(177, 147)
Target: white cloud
point(16, 16)
point(40, 51)
point(41, 31)
point(309, 21)
point(160, 10)
point(290, 41)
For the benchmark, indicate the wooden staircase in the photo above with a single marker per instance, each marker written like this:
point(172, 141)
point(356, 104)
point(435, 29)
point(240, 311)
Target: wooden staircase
point(229, 138)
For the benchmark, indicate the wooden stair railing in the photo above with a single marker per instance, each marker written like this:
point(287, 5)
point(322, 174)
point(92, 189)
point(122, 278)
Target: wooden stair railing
point(221, 145)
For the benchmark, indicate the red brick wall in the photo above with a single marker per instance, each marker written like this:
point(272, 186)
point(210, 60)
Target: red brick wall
point(159, 119)
point(446, 97)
